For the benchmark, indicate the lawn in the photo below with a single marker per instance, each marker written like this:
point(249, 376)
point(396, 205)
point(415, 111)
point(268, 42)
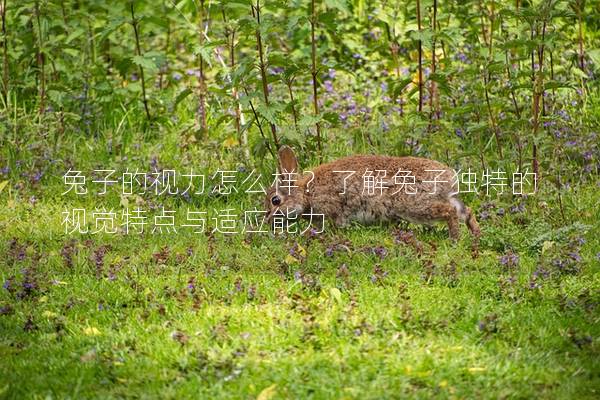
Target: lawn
point(360, 312)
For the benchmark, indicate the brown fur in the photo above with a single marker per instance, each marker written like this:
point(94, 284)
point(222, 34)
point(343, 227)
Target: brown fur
point(322, 194)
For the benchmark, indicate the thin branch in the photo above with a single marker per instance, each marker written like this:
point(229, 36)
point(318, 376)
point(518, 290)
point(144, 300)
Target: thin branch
point(4, 51)
point(201, 79)
point(258, 124)
point(313, 23)
point(420, 49)
point(138, 50)
point(263, 68)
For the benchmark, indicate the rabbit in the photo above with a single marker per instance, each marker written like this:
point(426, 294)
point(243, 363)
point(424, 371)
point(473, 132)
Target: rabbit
point(343, 197)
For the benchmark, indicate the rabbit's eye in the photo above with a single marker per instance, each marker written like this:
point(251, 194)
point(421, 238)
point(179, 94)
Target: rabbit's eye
point(276, 200)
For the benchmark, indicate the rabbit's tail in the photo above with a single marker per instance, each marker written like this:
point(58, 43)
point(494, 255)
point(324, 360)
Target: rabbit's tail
point(466, 215)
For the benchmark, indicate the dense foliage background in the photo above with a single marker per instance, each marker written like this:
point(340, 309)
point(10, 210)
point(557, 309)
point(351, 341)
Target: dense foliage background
point(357, 313)
point(492, 81)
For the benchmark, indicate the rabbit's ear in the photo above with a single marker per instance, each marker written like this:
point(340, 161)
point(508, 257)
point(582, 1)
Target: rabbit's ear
point(287, 160)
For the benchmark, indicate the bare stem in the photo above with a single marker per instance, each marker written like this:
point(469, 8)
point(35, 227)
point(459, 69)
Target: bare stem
point(263, 68)
point(491, 113)
point(4, 51)
point(512, 90)
point(538, 92)
point(138, 50)
point(41, 59)
point(201, 79)
point(420, 49)
point(313, 22)
point(433, 98)
point(580, 33)
point(258, 124)
point(289, 85)
point(167, 44)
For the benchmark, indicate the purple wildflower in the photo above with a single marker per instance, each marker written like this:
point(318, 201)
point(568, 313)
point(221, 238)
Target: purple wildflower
point(517, 208)
point(238, 286)
point(191, 285)
point(509, 259)
point(329, 251)
point(298, 276)
point(385, 126)
point(37, 176)
point(252, 292)
point(378, 274)
point(98, 259)
point(378, 251)
point(575, 256)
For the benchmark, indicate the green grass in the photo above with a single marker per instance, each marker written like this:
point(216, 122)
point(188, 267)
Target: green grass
point(261, 324)
point(438, 325)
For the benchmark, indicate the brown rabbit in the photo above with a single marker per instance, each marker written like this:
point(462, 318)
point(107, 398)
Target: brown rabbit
point(381, 188)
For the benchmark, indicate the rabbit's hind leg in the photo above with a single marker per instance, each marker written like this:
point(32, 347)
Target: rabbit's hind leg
point(472, 223)
point(446, 211)
point(466, 215)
